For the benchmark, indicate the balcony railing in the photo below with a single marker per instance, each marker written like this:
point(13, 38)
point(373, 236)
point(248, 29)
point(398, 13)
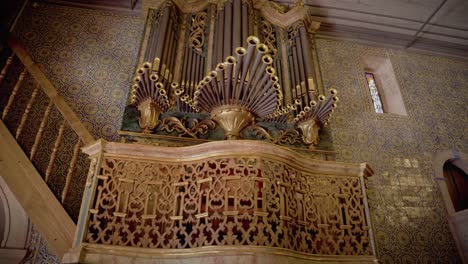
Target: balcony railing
point(222, 196)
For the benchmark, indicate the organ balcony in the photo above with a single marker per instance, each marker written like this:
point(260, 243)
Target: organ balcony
point(212, 201)
point(192, 179)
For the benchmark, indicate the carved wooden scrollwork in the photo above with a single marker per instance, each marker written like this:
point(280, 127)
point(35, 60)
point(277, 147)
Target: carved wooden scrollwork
point(196, 128)
point(197, 31)
point(289, 137)
point(268, 34)
point(91, 172)
point(293, 32)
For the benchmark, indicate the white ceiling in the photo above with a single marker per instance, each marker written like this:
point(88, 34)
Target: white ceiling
point(439, 26)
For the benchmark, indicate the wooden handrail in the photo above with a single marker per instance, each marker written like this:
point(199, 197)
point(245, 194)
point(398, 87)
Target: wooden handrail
point(49, 89)
point(32, 192)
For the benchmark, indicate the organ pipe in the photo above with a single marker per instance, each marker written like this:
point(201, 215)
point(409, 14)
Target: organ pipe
point(232, 27)
point(274, 77)
point(194, 60)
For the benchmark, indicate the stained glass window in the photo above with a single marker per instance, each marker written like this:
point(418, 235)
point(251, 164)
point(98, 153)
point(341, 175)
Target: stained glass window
point(376, 100)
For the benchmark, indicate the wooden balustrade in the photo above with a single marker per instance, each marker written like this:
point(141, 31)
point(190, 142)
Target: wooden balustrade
point(21, 110)
point(224, 197)
point(11, 99)
point(50, 91)
point(6, 67)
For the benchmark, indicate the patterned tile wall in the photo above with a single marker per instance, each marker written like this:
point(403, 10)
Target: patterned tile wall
point(407, 213)
point(88, 55)
point(38, 252)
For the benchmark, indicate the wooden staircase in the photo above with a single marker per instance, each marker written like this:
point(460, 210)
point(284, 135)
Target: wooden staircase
point(40, 156)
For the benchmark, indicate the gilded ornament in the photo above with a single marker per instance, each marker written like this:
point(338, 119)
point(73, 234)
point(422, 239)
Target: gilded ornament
point(232, 119)
point(287, 137)
point(310, 132)
point(268, 34)
point(197, 31)
point(149, 115)
point(170, 124)
point(149, 94)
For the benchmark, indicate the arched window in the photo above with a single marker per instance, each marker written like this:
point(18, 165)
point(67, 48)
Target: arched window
point(457, 185)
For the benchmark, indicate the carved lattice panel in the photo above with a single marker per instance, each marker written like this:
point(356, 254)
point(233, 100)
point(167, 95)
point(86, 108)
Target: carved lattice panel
point(227, 201)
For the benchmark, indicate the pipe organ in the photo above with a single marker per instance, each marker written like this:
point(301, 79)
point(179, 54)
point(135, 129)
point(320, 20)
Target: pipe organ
point(212, 70)
point(232, 27)
point(231, 61)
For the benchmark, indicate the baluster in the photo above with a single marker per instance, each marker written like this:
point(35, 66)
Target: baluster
point(40, 132)
point(13, 93)
point(27, 110)
point(71, 169)
point(53, 156)
point(5, 68)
